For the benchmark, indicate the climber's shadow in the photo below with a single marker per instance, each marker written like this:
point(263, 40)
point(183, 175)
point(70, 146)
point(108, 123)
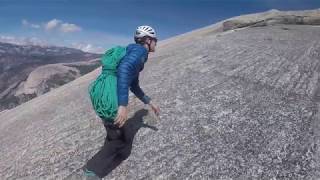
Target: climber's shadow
point(136, 122)
point(118, 143)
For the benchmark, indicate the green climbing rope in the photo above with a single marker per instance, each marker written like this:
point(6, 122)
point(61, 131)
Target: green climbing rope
point(103, 91)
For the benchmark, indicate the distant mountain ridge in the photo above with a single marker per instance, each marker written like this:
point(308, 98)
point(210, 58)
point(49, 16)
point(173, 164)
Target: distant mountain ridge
point(18, 61)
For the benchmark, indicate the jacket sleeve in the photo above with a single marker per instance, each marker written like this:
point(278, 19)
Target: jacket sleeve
point(126, 71)
point(135, 88)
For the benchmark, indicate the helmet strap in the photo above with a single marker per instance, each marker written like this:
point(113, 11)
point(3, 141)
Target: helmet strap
point(148, 45)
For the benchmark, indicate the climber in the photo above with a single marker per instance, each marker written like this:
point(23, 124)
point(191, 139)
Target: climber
point(116, 143)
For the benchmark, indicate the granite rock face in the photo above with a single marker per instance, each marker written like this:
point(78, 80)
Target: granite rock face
point(240, 104)
point(272, 17)
point(50, 76)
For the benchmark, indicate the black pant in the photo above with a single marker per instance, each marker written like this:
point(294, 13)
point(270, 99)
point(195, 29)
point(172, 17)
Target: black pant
point(117, 147)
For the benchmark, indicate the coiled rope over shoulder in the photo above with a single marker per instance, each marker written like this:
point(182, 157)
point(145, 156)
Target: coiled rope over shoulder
point(103, 91)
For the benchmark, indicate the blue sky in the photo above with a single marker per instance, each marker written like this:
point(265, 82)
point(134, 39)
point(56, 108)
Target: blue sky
point(100, 24)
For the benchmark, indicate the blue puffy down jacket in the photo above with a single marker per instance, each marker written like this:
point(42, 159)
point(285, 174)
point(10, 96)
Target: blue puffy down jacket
point(128, 74)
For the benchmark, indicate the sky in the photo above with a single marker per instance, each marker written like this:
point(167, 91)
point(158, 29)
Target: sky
point(96, 25)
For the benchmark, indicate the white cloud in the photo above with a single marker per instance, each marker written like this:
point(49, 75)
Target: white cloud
point(25, 22)
point(88, 47)
point(66, 27)
point(54, 23)
point(28, 24)
point(36, 26)
point(23, 40)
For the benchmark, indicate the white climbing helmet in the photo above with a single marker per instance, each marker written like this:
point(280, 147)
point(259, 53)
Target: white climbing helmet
point(143, 31)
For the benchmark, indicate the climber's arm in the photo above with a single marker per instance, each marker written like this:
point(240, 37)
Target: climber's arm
point(135, 88)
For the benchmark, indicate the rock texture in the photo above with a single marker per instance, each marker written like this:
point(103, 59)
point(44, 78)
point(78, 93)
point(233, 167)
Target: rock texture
point(274, 17)
point(47, 77)
point(17, 62)
point(240, 104)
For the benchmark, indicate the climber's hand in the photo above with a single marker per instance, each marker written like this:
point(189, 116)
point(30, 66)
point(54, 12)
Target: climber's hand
point(122, 116)
point(154, 108)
